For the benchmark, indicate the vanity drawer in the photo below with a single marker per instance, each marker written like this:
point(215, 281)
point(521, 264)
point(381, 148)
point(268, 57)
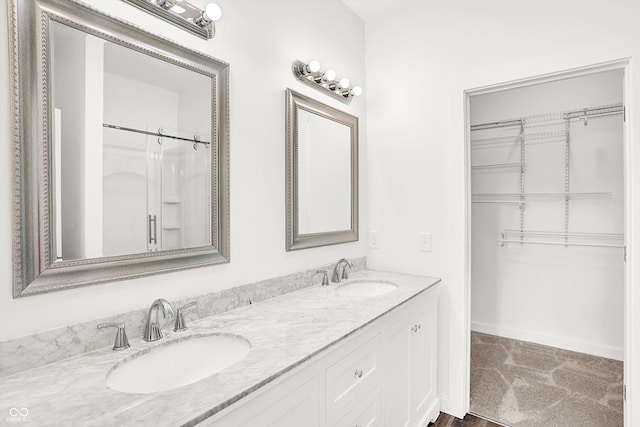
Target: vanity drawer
point(292, 404)
point(366, 414)
point(350, 379)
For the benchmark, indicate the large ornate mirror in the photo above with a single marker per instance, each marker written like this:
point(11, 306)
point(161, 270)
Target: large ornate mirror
point(120, 150)
point(322, 174)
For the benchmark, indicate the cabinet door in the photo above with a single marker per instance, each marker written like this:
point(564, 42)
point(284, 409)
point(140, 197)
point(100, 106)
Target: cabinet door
point(295, 407)
point(423, 360)
point(397, 348)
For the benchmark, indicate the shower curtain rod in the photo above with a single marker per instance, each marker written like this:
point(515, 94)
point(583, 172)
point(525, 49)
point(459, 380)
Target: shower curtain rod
point(567, 115)
point(195, 139)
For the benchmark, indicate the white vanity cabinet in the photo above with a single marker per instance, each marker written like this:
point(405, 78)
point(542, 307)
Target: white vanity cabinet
point(349, 380)
point(366, 414)
point(410, 363)
point(382, 375)
point(293, 403)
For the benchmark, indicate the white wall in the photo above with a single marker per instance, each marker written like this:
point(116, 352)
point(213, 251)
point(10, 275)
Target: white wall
point(94, 93)
point(69, 70)
point(569, 297)
point(260, 40)
point(421, 57)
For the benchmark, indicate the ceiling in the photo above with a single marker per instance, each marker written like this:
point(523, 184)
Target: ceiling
point(368, 9)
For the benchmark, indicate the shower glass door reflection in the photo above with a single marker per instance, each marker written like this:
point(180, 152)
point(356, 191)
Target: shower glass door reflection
point(155, 192)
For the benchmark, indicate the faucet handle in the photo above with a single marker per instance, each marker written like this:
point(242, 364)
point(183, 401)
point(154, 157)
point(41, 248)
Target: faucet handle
point(325, 278)
point(121, 343)
point(180, 325)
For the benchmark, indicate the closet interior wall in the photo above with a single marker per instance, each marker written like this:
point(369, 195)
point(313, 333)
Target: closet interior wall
point(560, 295)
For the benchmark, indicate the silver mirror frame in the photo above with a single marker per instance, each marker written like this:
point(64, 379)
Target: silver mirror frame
point(36, 267)
point(295, 240)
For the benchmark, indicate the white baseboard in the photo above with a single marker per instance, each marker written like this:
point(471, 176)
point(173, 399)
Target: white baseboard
point(553, 341)
point(430, 415)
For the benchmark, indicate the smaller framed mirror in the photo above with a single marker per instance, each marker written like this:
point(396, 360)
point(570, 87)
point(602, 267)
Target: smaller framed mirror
point(322, 174)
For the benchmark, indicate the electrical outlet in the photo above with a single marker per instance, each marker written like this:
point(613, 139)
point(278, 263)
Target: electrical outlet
point(374, 239)
point(424, 242)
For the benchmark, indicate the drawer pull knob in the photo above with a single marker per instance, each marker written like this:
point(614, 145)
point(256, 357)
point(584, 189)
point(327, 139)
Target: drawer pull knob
point(358, 373)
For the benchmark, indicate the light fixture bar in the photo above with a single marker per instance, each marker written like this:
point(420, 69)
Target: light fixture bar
point(326, 82)
point(182, 14)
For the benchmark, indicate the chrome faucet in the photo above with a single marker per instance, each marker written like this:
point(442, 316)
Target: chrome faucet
point(153, 330)
point(335, 278)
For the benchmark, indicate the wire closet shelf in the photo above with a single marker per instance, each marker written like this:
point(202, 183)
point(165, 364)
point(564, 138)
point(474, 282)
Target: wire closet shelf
point(540, 129)
point(606, 240)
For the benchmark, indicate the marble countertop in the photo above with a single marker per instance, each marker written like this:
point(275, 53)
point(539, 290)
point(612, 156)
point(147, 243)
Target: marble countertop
point(284, 332)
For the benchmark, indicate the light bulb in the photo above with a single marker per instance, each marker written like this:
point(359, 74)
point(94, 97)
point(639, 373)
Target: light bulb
point(329, 75)
point(356, 91)
point(212, 12)
point(344, 83)
point(313, 66)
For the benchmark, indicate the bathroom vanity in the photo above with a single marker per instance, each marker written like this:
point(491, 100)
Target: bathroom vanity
point(383, 374)
point(347, 354)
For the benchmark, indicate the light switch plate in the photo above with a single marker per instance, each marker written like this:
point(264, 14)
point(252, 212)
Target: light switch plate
point(424, 242)
point(374, 239)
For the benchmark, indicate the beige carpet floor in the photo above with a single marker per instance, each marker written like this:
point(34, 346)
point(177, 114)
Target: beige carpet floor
point(530, 385)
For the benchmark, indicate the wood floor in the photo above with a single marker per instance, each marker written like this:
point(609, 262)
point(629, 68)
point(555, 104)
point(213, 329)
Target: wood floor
point(446, 420)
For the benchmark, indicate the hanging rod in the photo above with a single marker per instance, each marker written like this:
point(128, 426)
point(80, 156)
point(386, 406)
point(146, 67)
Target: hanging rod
point(550, 195)
point(578, 235)
point(498, 166)
point(595, 111)
point(160, 133)
point(563, 235)
point(507, 202)
point(571, 114)
point(503, 124)
point(517, 138)
point(601, 245)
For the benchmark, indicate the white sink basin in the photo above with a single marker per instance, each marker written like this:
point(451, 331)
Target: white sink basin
point(366, 288)
point(177, 363)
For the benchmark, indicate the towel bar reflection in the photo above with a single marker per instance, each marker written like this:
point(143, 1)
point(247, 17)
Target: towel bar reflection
point(161, 134)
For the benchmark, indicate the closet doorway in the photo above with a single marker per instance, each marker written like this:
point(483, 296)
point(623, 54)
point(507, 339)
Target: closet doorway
point(547, 252)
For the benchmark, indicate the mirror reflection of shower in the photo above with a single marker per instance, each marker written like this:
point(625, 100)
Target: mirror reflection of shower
point(132, 158)
point(156, 192)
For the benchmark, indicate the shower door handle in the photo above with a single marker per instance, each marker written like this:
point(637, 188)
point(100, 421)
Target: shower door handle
point(153, 229)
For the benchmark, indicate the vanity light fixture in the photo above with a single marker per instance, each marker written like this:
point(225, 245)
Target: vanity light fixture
point(326, 82)
point(184, 14)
